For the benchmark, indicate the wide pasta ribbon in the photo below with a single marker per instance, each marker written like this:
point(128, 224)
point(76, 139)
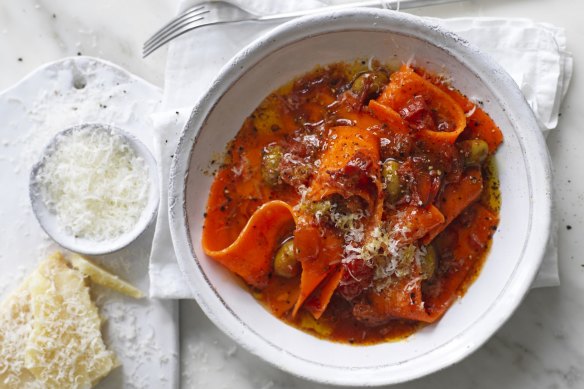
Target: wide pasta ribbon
point(412, 105)
point(417, 100)
point(479, 124)
point(349, 167)
point(455, 198)
point(251, 255)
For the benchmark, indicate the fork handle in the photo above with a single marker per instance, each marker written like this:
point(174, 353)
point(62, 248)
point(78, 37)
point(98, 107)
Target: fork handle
point(403, 4)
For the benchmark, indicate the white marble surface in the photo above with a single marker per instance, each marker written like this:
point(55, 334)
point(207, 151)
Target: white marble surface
point(541, 346)
point(57, 96)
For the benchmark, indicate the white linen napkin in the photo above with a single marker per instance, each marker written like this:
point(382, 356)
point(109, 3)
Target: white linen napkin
point(534, 54)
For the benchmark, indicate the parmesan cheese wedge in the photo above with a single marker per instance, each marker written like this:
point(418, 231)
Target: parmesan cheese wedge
point(102, 277)
point(15, 325)
point(50, 332)
point(65, 348)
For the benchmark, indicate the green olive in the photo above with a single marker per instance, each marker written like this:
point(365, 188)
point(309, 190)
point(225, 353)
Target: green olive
point(404, 267)
point(271, 158)
point(370, 84)
point(428, 263)
point(285, 263)
point(391, 180)
point(475, 151)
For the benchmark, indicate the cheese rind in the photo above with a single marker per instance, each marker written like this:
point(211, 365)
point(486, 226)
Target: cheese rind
point(104, 278)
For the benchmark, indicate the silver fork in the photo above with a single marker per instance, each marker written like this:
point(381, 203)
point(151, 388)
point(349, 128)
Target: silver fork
point(218, 12)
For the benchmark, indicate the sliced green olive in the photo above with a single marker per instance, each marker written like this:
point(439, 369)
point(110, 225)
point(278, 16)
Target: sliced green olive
point(271, 158)
point(404, 267)
point(321, 208)
point(391, 180)
point(428, 263)
point(475, 151)
point(370, 84)
point(285, 263)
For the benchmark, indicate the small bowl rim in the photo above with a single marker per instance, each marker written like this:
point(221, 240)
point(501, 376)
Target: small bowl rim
point(86, 246)
point(537, 164)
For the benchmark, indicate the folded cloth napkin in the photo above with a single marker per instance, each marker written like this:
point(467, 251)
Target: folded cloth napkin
point(534, 54)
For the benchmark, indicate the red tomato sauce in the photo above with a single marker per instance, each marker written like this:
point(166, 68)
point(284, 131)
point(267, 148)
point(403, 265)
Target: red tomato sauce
point(358, 203)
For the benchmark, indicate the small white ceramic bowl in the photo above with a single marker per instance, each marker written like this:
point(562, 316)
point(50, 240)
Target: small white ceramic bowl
point(48, 220)
point(524, 169)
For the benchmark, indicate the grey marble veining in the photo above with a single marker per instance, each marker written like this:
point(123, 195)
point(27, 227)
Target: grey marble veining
point(35, 32)
point(541, 346)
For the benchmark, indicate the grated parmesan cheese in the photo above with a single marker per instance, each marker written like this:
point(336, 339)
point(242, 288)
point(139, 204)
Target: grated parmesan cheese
point(350, 224)
point(471, 111)
point(391, 259)
point(94, 183)
point(382, 248)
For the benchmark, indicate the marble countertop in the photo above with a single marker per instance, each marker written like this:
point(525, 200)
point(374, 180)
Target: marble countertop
point(541, 346)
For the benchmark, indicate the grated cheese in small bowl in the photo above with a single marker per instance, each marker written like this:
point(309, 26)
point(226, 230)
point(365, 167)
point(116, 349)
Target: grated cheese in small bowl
point(94, 190)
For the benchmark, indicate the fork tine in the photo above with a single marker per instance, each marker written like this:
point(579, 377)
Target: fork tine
point(190, 14)
point(173, 29)
point(172, 32)
point(147, 50)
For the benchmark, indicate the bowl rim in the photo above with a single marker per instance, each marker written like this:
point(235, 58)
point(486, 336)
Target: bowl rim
point(531, 140)
point(85, 246)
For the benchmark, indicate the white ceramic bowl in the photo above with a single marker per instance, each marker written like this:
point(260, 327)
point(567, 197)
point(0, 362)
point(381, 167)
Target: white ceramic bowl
point(518, 245)
point(48, 219)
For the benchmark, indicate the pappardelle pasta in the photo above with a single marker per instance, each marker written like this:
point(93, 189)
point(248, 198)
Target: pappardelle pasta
point(357, 202)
